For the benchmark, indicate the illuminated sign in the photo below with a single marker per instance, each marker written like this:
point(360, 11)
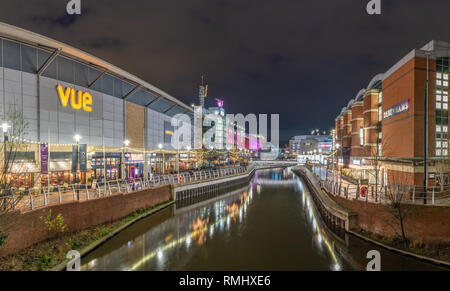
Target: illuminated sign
point(220, 103)
point(78, 99)
point(397, 109)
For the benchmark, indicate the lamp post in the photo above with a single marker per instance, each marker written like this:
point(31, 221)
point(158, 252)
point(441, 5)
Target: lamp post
point(160, 146)
point(425, 156)
point(188, 148)
point(5, 126)
point(126, 143)
point(77, 138)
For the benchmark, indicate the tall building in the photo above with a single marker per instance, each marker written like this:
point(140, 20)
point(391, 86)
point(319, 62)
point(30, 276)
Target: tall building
point(381, 131)
point(62, 92)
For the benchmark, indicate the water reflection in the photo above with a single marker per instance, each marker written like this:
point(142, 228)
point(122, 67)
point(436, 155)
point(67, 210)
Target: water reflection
point(270, 224)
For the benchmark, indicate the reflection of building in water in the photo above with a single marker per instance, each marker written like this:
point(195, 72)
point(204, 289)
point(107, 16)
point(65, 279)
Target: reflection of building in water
point(152, 249)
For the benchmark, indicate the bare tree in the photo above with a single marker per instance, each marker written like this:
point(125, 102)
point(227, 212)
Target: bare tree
point(13, 143)
point(376, 156)
point(397, 193)
point(442, 167)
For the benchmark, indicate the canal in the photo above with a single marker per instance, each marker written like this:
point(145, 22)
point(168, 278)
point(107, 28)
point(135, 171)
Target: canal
point(269, 224)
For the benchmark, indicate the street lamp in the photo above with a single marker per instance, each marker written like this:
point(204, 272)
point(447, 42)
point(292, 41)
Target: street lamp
point(5, 126)
point(160, 146)
point(77, 138)
point(425, 158)
point(126, 143)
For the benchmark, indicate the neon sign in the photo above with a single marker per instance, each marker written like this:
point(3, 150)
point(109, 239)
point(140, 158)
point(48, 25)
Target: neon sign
point(78, 100)
point(220, 103)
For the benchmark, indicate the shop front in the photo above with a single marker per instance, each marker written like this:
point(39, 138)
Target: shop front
point(134, 165)
point(109, 162)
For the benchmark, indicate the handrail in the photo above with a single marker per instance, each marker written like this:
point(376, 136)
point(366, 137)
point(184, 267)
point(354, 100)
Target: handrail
point(54, 195)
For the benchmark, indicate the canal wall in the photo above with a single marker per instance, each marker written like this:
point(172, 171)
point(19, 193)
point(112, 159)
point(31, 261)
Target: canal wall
point(27, 229)
point(424, 224)
point(330, 210)
point(196, 189)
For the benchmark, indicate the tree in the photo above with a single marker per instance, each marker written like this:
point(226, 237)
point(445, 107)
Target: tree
point(376, 155)
point(200, 156)
point(11, 146)
point(442, 169)
point(397, 193)
point(234, 155)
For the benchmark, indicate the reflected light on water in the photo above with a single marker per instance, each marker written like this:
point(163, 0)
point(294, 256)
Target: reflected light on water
point(199, 228)
point(321, 237)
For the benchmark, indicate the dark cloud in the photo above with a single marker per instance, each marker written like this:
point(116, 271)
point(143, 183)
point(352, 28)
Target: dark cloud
point(302, 59)
point(104, 43)
point(63, 21)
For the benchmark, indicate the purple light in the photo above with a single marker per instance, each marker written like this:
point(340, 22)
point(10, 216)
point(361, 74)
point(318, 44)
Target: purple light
point(220, 103)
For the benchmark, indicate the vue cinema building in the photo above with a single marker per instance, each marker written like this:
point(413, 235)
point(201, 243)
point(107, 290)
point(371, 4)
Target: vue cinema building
point(384, 123)
point(107, 107)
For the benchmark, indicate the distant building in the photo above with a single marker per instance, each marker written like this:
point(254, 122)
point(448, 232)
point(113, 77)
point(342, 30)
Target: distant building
point(299, 145)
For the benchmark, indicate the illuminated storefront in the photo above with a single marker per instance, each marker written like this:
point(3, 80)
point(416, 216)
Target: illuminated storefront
point(63, 93)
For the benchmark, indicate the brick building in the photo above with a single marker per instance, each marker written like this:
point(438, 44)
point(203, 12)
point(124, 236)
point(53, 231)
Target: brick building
point(380, 133)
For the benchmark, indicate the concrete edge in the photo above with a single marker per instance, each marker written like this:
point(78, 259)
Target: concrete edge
point(62, 266)
point(403, 252)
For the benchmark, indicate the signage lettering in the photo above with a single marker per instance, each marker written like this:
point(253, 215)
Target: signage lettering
point(78, 99)
point(397, 109)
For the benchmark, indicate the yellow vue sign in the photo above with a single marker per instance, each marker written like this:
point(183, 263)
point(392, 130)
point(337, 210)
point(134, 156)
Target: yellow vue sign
point(78, 99)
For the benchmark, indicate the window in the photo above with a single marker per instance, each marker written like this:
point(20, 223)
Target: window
point(11, 55)
point(50, 72)
point(29, 59)
point(361, 136)
point(65, 70)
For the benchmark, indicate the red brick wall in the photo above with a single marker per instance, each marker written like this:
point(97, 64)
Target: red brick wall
point(29, 229)
point(428, 224)
point(404, 132)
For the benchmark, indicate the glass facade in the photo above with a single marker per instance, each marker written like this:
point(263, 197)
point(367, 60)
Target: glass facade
point(442, 78)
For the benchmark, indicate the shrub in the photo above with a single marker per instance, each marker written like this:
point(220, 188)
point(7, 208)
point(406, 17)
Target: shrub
point(54, 225)
point(3, 238)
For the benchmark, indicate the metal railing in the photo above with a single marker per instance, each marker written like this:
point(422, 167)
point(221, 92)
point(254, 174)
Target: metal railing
point(53, 195)
point(385, 194)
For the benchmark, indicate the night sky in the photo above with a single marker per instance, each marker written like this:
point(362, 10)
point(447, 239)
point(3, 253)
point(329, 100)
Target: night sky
point(301, 59)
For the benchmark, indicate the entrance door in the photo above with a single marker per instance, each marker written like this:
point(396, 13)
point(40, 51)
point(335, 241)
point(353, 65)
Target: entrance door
point(132, 172)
